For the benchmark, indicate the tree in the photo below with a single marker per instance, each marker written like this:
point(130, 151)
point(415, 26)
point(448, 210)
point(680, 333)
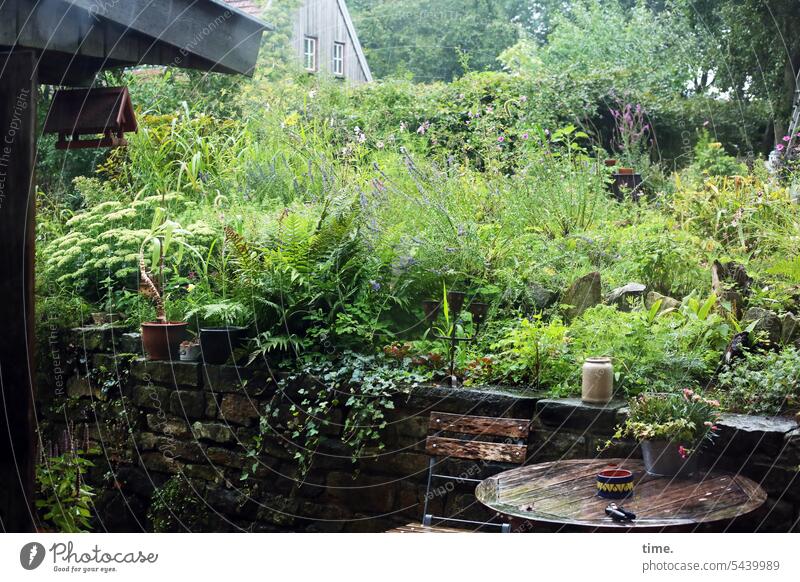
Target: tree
point(753, 48)
point(432, 40)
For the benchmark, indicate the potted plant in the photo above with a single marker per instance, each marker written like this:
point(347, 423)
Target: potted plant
point(190, 350)
point(221, 329)
point(671, 429)
point(161, 338)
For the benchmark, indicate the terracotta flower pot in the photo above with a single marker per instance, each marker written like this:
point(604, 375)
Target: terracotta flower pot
point(610, 163)
point(162, 341)
point(626, 171)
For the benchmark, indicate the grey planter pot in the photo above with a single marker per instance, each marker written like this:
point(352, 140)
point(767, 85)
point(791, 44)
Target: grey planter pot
point(662, 459)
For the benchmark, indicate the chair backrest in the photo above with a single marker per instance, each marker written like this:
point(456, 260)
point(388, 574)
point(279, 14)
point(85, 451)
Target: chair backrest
point(476, 438)
point(514, 431)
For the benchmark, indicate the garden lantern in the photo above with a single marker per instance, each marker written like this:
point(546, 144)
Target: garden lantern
point(104, 112)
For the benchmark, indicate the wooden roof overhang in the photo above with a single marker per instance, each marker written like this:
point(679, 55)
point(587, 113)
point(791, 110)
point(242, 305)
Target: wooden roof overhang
point(75, 39)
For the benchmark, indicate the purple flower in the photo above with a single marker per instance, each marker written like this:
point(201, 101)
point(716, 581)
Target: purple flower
point(423, 128)
point(525, 135)
point(375, 285)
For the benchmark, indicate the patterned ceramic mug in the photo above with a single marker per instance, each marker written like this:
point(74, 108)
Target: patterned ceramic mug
point(615, 483)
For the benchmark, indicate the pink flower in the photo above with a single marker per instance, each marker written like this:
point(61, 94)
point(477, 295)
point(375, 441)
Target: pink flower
point(683, 452)
point(501, 139)
point(687, 393)
point(779, 147)
point(787, 137)
point(708, 423)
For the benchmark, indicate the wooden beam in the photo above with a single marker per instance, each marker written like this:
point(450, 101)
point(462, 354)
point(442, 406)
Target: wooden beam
point(18, 92)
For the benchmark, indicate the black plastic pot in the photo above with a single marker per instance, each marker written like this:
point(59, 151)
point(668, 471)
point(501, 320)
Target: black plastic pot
point(219, 343)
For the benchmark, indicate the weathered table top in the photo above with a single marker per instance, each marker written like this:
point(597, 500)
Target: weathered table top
point(564, 492)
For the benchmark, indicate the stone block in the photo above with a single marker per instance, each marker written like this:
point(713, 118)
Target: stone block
point(741, 435)
point(176, 374)
point(404, 464)
point(80, 386)
point(190, 404)
point(238, 409)
point(791, 449)
point(161, 463)
point(367, 493)
point(576, 414)
point(584, 293)
point(227, 458)
point(167, 425)
point(213, 431)
point(226, 378)
point(204, 473)
point(131, 343)
point(95, 338)
point(151, 396)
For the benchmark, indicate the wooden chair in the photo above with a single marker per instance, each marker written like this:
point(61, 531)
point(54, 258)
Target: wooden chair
point(463, 443)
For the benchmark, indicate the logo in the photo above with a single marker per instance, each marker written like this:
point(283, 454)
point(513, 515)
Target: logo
point(31, 555)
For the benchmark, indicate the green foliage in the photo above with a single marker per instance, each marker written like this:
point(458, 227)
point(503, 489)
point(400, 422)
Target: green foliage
point(537, 354)
point(710, 159)
point(64, 498)
point(762, 383)
point(686, 418)
point(174, 507)
point(364, 387)
point(432, 40)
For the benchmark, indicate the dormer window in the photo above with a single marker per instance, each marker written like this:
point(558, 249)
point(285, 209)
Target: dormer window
point(338, 59)
point(310, 53)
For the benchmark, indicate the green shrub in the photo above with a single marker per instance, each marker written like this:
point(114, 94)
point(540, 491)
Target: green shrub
point(762, 383)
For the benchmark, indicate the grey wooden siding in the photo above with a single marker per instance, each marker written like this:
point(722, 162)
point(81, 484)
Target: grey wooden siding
point(323, 20)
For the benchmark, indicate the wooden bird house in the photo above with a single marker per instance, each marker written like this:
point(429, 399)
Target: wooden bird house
point(104, 113)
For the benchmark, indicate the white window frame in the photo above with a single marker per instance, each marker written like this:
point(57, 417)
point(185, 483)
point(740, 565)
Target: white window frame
point(338, 59)
point(310, 48)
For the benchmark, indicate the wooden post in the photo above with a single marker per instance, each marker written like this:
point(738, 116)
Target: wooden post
point(18, 93)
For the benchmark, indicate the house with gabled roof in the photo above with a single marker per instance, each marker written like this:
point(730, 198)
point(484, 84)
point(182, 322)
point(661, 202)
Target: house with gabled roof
point(324, 38)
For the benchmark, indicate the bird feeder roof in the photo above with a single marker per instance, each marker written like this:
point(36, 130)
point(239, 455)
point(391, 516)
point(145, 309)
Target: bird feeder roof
point(94, 110)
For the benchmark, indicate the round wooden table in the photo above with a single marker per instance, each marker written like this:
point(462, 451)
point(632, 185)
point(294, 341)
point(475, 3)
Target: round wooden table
point(564, 494)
